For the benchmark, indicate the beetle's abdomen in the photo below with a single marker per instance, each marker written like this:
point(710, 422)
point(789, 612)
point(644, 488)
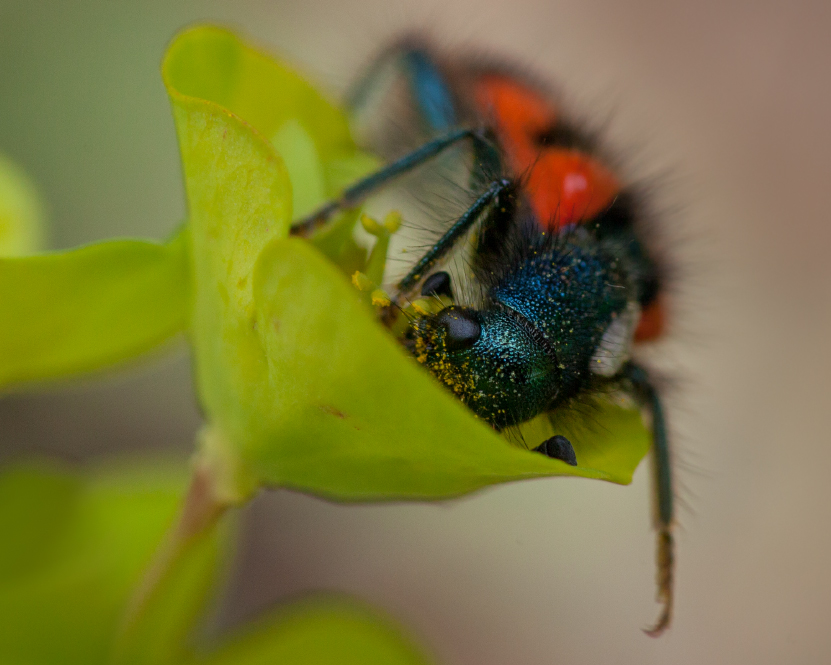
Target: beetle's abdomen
point(565, 183)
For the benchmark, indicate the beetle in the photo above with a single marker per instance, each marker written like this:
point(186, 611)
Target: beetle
point(561, 282)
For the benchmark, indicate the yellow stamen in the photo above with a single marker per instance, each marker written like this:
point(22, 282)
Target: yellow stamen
point(392, 221)
point(380, 298)
point(371, 225)
point(362, 282)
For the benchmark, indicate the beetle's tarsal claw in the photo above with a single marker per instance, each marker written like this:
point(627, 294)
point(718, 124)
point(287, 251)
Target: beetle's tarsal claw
point(665, 581)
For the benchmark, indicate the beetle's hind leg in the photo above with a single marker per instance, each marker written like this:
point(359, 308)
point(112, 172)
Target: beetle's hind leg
point(429, 92)
point(648, 397)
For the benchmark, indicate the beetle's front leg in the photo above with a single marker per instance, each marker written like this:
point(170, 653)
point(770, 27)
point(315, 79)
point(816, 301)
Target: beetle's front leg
point(558, 447)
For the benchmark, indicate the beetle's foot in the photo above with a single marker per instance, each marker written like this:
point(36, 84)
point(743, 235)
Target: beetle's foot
point(558, 447)
point(666, 562)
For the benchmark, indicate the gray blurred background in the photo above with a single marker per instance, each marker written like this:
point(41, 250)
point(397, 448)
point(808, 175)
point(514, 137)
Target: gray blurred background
point(731, 100)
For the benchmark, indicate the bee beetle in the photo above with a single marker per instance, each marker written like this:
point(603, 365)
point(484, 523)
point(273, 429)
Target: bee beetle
point(560, 282)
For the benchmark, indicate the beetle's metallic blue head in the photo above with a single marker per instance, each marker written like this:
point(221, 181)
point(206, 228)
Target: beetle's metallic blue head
point(494, 361)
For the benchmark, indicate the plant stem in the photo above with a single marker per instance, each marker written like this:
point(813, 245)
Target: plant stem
point(199, 515)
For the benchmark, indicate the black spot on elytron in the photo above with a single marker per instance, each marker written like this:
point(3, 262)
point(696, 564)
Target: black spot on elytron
point(558, 447)
point(437, 284)
point(649, 288)
point(617, 224)
point(462, 325)
point(619, 217)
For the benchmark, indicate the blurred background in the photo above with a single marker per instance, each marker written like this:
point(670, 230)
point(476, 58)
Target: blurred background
point(728, 102)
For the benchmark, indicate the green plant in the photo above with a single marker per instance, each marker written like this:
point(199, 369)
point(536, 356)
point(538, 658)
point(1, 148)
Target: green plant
point(302, 388)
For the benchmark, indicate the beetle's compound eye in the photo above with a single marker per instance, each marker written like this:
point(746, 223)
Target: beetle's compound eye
point(462, 326)
point(437, 284)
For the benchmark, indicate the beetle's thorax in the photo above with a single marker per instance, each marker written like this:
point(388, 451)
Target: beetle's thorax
point(571, 295)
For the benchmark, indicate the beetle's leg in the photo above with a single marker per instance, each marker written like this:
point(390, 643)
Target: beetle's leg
point(435, 105)
point(462, 225)
point(355, 194)
point(430, 91)
point(646, 394)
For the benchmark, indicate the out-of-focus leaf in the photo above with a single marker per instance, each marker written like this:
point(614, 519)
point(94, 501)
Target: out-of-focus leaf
point(213, 64)
point(336, 238)
point(83, 309)
point(305, 169)
point(21, 213)
point(73, 548)
point(344, 171)
point(321, 632)
point(35, 507)
point(306, 388)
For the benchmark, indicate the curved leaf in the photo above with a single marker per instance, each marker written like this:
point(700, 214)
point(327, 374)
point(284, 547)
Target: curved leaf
point(239, 198)
point(83, 309)
point(349, 415)
point(213, 65)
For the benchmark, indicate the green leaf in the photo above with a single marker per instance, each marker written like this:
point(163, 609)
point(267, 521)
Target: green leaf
point(239, 198)
point(305, 169)
point(35, 507)
point(336, 243)
point(344, 171)
point(611, 436)
point(73, 548)
point(213, 64)
point(303, 386)
point(320, 632)
point(21, 213)
point(80, 310)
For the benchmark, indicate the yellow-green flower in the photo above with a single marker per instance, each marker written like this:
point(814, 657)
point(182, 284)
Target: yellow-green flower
point(300, 385)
